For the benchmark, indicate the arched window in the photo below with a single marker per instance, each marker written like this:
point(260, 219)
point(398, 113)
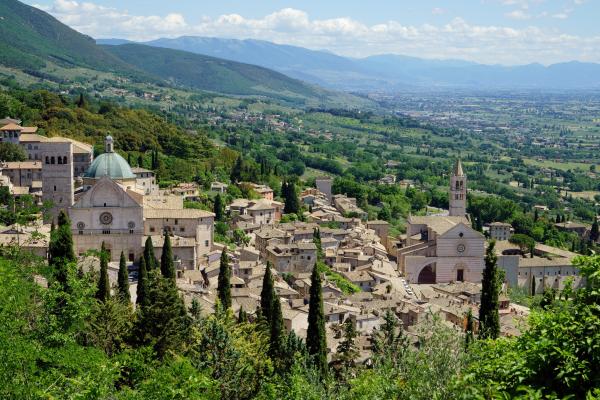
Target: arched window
point(59, 160)
point(65, 160)
point(52, 160)
point(47, 160)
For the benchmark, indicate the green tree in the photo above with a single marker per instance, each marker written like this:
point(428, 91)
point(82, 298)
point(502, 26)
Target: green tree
point(316, 341)
point(469, 329)
point(224, 280)
point(163, 322)
point(594, 234)
point(123, 280)
point(12, 152)
point(167, 265)
point(141, 299)
point(292, 204)
point(276, 343)
point(103, 292)
point(151, 261)
point(236, 171)
point(219, 208)
point(267, 294)
point(489, 319)
point(317, 242)
point(347, 351)
point(60, 249)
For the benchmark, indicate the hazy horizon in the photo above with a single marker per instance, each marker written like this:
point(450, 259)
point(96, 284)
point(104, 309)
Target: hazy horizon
point(494, 32)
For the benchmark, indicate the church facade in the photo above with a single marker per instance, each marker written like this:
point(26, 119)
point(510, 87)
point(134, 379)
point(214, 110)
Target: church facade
point(444, 248)
point(115, 208)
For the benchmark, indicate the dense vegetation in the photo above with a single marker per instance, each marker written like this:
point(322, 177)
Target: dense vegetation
point(64, 342)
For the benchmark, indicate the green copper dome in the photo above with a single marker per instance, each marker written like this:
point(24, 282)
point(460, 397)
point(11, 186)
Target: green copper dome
point(110, 164)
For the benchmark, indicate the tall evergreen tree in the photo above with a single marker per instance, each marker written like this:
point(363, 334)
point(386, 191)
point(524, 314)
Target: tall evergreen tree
point(318, 244)
point(536, 215)
point(347, 351)
point(469, 329)
point(142, 286)
point(123, 280)
point(489, 319)
point(103, 292)
point(236, 171)
point(276, 342)
point(219, 208)
point(60, 249)
point(594, 233)
point(140, 161)
point(224, 281)
point(316, 341)
point(150, 258)
point(163, 322)
point(167, 265)
point(266, 294)
point(292, 205)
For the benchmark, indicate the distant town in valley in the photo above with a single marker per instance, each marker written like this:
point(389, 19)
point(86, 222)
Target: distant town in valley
point(206, 218)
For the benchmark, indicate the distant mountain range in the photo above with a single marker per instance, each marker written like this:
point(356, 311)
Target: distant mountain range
point(384, 72)
point(34, 42)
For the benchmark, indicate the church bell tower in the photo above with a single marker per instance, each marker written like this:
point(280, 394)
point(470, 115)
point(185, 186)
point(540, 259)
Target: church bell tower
point(458, 191)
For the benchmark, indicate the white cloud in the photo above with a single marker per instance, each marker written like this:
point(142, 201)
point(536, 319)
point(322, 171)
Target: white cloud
point(438, 11)
point(518, 14)
point(455, 39)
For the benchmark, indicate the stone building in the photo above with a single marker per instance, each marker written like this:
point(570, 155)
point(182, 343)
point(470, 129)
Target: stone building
point(500, 231)
point(115, 209)
point(443, 248)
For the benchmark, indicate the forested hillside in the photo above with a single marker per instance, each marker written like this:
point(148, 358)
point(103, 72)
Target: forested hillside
point(34, 46)
point(29, 38)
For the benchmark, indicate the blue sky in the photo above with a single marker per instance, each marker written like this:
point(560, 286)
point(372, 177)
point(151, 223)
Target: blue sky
point(488, 31)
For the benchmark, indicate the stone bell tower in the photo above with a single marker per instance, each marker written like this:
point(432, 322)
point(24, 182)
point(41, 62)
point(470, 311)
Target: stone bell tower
point(458, 191)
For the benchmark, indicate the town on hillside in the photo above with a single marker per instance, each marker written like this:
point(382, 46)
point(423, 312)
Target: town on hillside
point(433, 270)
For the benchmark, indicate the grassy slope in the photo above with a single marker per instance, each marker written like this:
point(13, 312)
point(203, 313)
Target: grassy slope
point(29, 38)
point(214, 74)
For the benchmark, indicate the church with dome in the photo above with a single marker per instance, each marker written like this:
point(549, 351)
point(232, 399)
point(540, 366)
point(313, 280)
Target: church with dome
point(122, 207)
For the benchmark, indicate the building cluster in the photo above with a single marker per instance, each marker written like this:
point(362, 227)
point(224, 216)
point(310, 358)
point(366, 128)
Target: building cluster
point(106, 200)
point(435, 268)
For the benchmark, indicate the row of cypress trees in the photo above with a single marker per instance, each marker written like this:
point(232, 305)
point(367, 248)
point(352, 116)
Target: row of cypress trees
point(161, 319)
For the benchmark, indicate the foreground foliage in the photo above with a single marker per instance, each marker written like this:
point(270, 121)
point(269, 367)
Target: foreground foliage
point(61, 342)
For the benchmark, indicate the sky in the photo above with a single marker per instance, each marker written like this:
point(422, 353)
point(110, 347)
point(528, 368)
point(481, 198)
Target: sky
point(509, 32)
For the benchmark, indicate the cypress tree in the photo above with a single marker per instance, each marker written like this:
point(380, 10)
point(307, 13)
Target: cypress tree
point(151, 261)
point(103, 292)
point(276, 344)
point(489, 320)
point(142, 286)
point(266, 294)
point(123, 280)
point(316, 341)
point(469, 329)
point(292, 205)
point(347, 350)
point(317, 242)
point(594, 233)
point(163, 321)
point(60, 249)
point(140, 161)
point(219, 208)
point(533, 285)
point(536, 215)
point(242, 316)
point(224, 281)
point(236, 171)
point(167, 266)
